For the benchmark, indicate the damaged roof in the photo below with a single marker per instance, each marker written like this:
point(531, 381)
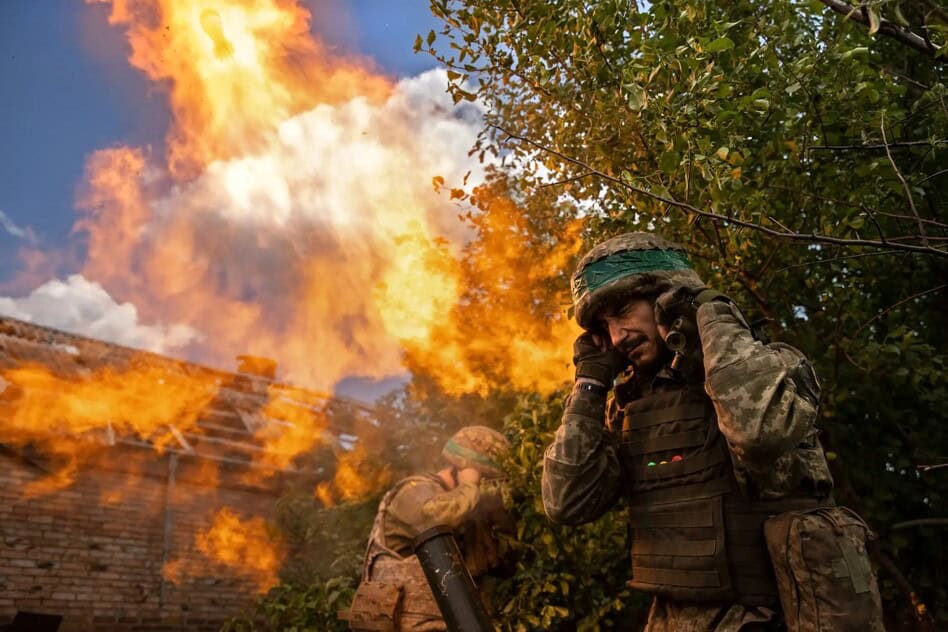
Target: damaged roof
point(228, 430)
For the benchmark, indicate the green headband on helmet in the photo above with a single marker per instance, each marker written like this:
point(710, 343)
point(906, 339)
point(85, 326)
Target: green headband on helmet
point(466, 453)
point(626, 263)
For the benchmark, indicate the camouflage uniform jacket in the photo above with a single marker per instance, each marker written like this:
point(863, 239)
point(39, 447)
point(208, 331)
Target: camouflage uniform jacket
point(422, 502)
point(766, 399)
point(414, 505)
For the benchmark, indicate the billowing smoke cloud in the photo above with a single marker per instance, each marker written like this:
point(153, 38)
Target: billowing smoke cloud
point(325, 247)
point(80, 306)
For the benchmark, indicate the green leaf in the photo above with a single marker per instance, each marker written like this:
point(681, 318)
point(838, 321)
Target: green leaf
point(636, 96)
point(875, 20)
point(431, 37)
point(669, 162)
point(720, 44)
point(861, 51)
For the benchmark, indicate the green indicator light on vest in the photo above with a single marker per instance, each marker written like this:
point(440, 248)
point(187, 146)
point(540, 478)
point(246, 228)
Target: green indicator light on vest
point(677, 457)
point(651, 464)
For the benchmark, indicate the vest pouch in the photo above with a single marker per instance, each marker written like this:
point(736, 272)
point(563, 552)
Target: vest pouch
point(376, 607)
point(678, 549)
point(825, 580)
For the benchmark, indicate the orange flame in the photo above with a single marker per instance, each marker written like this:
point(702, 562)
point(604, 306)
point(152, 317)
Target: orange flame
point(357, 477)
point(248, 548)
point(62, 415)
point(235, 70)
point(298, 224)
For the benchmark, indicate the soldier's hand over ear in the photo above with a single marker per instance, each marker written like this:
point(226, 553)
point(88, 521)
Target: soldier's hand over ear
point(596, 360)
point(469, 475)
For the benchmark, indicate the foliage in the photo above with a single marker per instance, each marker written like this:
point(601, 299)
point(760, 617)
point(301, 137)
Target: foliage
point(715, 122)
point(324, 542)
point(299, 608)
point(565, 578)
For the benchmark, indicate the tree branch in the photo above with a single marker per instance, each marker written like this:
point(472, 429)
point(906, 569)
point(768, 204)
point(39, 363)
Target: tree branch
point(884, 146)
point(905, 36)
point(929, 468)
point(897, 304)
point(812, 238)
point(814, 262)
point(920, 522)
point(905, 186)
point(567, 180)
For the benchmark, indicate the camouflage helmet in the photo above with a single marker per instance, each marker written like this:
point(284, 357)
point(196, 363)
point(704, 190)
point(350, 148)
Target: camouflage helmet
point(643, 264)
point(479, 447)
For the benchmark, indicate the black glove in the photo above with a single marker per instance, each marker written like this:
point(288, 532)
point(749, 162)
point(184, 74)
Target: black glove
point(677, 311)
point(595, 363)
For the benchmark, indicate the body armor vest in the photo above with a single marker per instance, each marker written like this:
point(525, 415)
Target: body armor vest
point(419, 611)
point(695, 535)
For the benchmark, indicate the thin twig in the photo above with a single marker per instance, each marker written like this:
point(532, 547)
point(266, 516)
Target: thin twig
point(774, 220)
point(905, 186)
point(920, 522)
point(907, 37)
point(874, 146)
point(861, 206)
point(909, 217)
point(934, 175)
point(929, 468)
point(895, 305)
point(832, 259)
point(567, 180)
point(813, 238)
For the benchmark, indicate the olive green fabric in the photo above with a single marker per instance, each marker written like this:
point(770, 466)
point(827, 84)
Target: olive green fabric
point(827, 583)
point(423, 503)
point(632, 263)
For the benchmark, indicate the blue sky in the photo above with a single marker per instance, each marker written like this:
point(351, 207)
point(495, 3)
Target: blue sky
point(68, 90)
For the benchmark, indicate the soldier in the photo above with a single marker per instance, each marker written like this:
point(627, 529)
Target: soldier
point(711, 445)
point(465, 495)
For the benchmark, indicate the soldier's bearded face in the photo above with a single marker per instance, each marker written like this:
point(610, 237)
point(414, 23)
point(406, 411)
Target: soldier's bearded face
point(633, 331)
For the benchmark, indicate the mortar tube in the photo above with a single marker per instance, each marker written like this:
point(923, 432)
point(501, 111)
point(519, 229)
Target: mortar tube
point(450, 581)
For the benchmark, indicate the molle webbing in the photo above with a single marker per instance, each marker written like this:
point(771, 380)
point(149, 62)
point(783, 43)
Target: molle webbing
point(626, 263)
point(694, 535)
point(679, 412)
point(678, 441)
point(689, 465)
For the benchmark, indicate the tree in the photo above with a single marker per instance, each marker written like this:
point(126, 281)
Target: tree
point(802, 162)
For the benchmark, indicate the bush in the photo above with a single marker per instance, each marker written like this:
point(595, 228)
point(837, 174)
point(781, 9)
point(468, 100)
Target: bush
point(299, 608)
point(565, 577)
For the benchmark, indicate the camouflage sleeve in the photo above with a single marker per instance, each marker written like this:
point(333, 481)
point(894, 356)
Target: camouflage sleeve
point(581, 472)
point(453, 507)
point(766, 396)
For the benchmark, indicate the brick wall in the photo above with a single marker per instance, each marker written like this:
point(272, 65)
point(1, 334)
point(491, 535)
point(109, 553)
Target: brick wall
point(93, 551)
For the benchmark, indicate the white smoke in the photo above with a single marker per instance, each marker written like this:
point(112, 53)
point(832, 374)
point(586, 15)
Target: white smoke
point(337, 185)
point(80, 306)
point(339, 165)
point(10, 227)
